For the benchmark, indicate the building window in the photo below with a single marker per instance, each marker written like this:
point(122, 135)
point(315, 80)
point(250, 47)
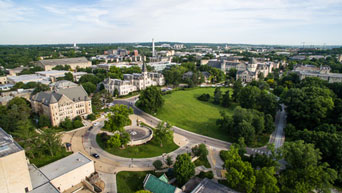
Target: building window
point(26, 189)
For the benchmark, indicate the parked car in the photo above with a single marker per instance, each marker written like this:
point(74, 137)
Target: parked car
point(95, 155)
point(90, 128)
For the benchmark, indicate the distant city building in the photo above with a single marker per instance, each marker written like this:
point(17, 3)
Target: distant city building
point(134, 82)
point(80, 62)
point(299, 57)
point(54, 74)
point(6, 87)
point(15, 71)
point(14, 173)
point(67, 99)
point(5, 97)
point(254, 69)
point(178, 46)
point(160, 66)
point(322, 72)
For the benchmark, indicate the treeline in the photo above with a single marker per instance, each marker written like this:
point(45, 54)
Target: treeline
point(314, 111)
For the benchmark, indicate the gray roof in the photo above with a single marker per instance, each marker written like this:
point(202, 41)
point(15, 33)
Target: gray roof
point(75, 94)
point(45, 188)
point(64, 61)
point(207, 185)
point(37, 177)
point(7, 144)
point(64, 165)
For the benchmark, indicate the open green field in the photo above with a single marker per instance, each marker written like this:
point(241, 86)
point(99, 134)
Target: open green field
point(183, 109)
point(130, 182)
point(150, 149)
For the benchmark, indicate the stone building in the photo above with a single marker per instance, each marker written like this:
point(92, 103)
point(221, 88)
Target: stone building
point(134, 82)
point(322, 72)
point(254, 68)
point(80, 62)
point(66, 99)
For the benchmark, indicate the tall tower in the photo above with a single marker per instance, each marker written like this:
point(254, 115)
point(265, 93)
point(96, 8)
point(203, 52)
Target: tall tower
point(153, 51)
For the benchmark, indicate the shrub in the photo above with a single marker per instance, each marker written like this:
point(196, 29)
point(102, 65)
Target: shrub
point(208, 175)
point(200, 150)
point(158, 164)
point(204, 97)
point(91, 117)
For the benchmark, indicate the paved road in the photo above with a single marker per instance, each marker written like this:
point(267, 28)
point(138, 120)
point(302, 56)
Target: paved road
point(279, 137)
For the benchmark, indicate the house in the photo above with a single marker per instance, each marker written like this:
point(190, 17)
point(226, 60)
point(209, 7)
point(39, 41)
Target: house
point(159, 185)
point(80, 62)
point(67, 99)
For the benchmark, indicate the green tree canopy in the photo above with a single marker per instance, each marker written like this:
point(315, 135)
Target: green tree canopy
point(184, 168)
point(118, 118)
point(150, 99)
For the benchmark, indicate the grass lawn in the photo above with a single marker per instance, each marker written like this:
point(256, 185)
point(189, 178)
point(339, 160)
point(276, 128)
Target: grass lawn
point(183, 109)
point(44, 160)
point(130, 182)
point(150, 149)
point(202, 162)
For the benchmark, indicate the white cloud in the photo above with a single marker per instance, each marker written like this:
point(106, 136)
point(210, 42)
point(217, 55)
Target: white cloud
point(245, 21)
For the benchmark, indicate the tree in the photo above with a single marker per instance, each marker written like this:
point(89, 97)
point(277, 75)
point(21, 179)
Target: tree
point(269, 124)
point(200, 150)
point(267, 103)
point(245, 130)
point(217, 95)
point(163, 133)
point(226, 100)
point(232, 73)
point(150, 100)
point(240, 174)
point(169, 161)
point(51, 141)
point(265, 181)
point(90, 78)
point(114, 141)
point(40, 88)
point(248, 97)
point(89, 87)
point(237, 86)
point(158, 164)
point(115, 93)
point(77, 124)
point(184, 168)
point(309, 106)
point(44, 121)
point(125, 138)
point(118, 118)
point(304, 171)
point(96, 102)
point(68, 76)
point(204, 97)
point(67, 124)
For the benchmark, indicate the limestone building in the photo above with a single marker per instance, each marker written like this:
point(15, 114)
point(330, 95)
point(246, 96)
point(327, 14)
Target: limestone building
point(134, 82)
point(14, 173)
point(254, 69)
point(80, 62)
point(66, 99)
point(322, 72)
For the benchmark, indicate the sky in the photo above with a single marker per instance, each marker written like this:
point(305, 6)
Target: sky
point(287, 22)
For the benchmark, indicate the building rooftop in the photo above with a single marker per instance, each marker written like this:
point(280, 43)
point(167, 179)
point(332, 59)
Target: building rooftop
point(64, 61)
point(37, 177)
point(157, 185)
point(7, 144)
point(45, 188)
point(51, 72)
point(207, 185)
point(64, 165)
point(28, 78)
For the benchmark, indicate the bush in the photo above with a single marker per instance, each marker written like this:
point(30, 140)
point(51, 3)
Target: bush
point(208, 175)
point(77, 124)
point(200, 150)
point(204, 97)
point(158, 164)
point(91, 117)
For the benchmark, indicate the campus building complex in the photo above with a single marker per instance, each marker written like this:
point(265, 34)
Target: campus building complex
point(134, 82)
point(66, 99)
point(80, 62)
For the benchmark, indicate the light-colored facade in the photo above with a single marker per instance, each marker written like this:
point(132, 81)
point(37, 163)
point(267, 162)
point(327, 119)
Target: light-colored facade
point(80, 62)
point(69, 171)
point(28, 78)
point(134, 82)
point(54, 74)
point(254, 69)
point(66, 100)
point(322, 72)
point(14, 174)
point(3, 80)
